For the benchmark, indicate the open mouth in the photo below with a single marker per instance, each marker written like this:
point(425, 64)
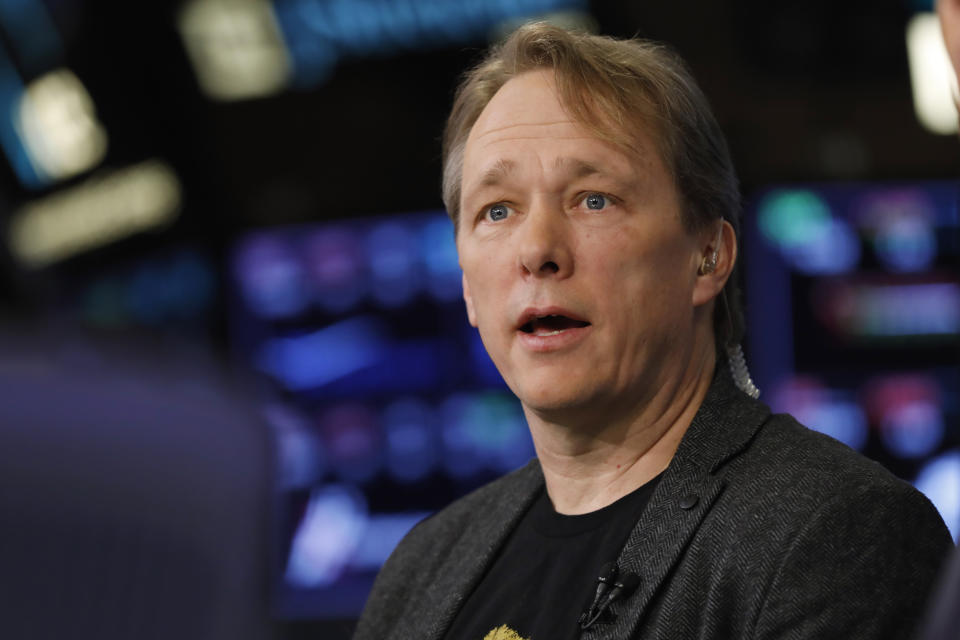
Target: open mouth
point(551, 325)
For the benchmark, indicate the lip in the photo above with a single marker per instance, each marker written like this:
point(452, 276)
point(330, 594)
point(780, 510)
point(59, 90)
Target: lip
point(555, 342)
point(531, 313)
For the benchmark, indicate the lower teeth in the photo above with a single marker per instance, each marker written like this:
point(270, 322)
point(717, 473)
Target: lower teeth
point(552, 333)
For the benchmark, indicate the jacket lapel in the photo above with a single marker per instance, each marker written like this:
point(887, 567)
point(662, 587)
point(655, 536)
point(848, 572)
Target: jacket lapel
point(723, 426)
point(475, 550)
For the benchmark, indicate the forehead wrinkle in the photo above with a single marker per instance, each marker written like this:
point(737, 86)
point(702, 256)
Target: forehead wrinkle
point(514, 125)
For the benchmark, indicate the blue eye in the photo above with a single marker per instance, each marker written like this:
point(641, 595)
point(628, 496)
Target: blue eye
point(595, 201)
point(498, 212)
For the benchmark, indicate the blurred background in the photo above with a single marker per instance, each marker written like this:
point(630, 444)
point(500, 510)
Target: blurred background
point(230, 298)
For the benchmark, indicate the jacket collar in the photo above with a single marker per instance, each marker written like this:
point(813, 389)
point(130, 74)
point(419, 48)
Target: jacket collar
point(723, 426)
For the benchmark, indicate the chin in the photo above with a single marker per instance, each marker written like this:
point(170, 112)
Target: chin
point(554, 399)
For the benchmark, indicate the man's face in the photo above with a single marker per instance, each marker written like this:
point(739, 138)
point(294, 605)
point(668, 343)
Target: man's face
point(577, 270)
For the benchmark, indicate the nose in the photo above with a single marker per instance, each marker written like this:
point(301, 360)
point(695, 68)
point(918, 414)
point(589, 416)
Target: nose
point(544, 244)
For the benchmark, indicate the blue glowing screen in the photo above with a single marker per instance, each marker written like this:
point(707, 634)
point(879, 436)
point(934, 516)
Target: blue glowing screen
point(383, 403)
point(853, 302)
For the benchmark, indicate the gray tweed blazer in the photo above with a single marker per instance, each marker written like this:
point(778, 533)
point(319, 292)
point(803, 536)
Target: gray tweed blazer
point(759, 528)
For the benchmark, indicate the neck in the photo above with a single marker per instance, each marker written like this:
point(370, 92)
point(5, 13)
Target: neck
point(587, 467)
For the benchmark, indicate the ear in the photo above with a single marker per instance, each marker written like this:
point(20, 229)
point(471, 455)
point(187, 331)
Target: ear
point(722, 242)
point(471, 312)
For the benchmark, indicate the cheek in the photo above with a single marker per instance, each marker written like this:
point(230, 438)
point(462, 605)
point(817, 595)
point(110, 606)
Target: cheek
point(644, 280)
point(629, 256)
point(487, 295)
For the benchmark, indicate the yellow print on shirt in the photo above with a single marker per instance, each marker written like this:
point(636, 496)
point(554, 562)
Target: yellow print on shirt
point(503, 632)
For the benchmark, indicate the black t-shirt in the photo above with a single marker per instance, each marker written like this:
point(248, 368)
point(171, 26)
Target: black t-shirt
point(546, 573)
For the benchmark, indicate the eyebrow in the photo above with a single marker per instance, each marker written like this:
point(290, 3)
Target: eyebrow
point(497, 173)
point(578, 168)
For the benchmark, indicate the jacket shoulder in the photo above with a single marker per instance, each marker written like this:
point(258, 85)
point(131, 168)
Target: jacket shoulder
point(811, 462)
point(838, 533)
point(462, 514)
point(790, 473)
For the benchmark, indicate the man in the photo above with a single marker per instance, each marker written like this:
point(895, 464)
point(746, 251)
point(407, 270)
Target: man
point(596, 211)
